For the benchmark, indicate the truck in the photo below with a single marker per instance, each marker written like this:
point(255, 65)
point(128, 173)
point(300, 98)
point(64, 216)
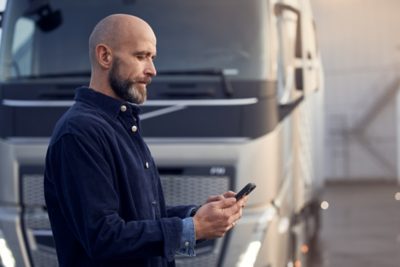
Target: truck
point(238, 98)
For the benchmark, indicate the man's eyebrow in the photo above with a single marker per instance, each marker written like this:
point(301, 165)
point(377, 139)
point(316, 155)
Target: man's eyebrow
point(145, 53)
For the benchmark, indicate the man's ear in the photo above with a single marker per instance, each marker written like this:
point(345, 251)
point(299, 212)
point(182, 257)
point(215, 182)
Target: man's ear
point(104, 56)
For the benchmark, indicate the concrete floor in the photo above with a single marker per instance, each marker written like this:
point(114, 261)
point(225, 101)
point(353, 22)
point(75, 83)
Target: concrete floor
point(361, 227)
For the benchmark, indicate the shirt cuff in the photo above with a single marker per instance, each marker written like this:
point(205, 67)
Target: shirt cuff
point(188, 239)
point(192, 211)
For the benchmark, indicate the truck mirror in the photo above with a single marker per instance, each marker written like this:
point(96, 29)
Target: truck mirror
point(48, 20)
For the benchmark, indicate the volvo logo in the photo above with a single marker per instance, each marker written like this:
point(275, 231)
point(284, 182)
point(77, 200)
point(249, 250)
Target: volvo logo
point(217, 171)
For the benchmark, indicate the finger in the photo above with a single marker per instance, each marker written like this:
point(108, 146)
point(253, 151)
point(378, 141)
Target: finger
point(229, 194)
point(214, 198)
point(235, 210)
point(232, 225)
point(235, 216)
point(239, 215)
point(226, 203)
point(242, 202)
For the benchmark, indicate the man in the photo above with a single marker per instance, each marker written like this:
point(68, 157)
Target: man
point(102, 188)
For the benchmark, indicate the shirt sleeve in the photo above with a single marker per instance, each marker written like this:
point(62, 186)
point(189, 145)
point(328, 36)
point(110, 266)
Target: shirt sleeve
point(188, 239)
point(180, 211)
point(83, 184)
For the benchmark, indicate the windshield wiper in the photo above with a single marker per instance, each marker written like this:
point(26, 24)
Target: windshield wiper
point(227, 87)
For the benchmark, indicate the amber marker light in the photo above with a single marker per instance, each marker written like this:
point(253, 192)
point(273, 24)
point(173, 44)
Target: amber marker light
point(304, 249)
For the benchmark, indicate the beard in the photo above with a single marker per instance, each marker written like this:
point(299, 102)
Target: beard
point(124, 88)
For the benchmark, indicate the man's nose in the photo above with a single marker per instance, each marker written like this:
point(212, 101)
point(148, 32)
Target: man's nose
point(151, 69)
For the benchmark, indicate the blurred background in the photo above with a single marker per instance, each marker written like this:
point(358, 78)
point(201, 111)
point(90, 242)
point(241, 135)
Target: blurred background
point(361, 56)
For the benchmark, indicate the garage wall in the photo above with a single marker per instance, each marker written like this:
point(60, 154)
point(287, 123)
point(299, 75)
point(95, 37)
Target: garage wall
point(360, 44)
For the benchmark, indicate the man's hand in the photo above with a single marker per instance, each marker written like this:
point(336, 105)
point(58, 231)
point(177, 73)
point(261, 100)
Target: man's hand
point(218, 215)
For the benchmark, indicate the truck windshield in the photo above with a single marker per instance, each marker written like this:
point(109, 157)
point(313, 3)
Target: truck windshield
point(50, 37)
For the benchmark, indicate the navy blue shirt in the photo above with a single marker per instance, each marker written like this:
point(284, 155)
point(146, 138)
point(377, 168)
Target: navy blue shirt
point(103, 191)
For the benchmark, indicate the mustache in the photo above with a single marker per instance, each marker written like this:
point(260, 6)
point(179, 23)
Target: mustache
point(143, 80)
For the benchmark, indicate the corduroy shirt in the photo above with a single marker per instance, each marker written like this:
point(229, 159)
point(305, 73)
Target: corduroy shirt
point(103, 191)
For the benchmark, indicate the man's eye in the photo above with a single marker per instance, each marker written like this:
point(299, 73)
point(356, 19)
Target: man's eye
point(140, 57)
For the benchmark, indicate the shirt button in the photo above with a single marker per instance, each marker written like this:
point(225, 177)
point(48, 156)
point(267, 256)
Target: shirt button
point(134, 128)
point(123, 108)
point(147, 165)
point(154, 203)
point(186, 243)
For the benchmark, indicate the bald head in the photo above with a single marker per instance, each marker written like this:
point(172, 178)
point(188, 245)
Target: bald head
point(116, 30)
point(122, 49)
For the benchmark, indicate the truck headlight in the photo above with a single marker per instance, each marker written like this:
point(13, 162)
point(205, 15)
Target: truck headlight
point(250, 256)
point(6, 256)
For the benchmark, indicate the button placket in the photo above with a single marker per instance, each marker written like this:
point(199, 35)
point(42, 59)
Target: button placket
point(134, 127)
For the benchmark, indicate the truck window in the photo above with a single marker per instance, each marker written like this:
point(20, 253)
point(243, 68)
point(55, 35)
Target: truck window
point(185, 42)
point(22, 47)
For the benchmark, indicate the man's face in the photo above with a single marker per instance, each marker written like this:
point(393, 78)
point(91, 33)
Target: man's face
point(132, 70)
point(125, 88)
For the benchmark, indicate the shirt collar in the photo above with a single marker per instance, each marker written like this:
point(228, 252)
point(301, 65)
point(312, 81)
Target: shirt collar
point(110, 105)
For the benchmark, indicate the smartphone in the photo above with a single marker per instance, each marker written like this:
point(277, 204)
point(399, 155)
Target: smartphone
point(245, 191)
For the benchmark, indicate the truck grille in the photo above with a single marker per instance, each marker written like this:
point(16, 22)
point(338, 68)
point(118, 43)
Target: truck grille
point(178, 189)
